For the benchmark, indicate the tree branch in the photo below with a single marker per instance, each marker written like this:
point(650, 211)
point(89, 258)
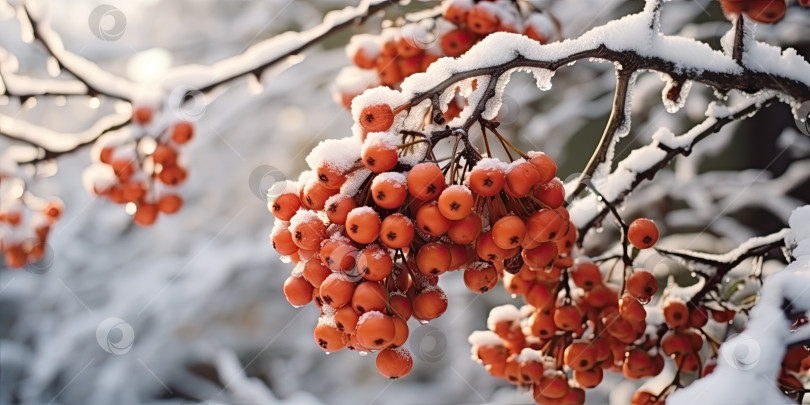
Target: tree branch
point(585, 219)
point(726, 262)
point(618, 119)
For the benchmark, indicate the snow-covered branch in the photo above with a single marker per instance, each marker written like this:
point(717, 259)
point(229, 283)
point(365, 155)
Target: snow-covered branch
point(751, 361)
point(58, 144)
point(645, 162)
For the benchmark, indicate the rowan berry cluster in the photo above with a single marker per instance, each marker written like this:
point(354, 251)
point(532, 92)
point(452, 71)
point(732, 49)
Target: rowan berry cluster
point(25, 222)
point(140, 170)
point(573, 329)
point(398, 52)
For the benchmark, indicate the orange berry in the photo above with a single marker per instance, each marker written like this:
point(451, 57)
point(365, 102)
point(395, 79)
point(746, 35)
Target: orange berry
point(142, 115)
point(586, 275)
point(676, 314)
point(363, 225)
point(430, 220)
point(723, 316)
point(765, 11)
point(375, 330)
point(580, 356)
point(482, 20)
point(171, 203)
point(544, 164)
point(388, 190)
point(315, 272)
point(487, 180)
point(642, 285)
point(508, 232)
point(337, 208)
point(182, 132)
point(330, 175)
point(455, 13)
point(401, 331)
point(376, 118)
point(389, 73)
point(465, 230)
point(298, 291)
point(54, 209)
point(361, 59)
point(698, 317)
point(400, 306)
point(338, 255)
point(307, 230)
point(406, 48)
point(368, 296)
point(456, 202)
point(555, 386)
point(106, 154)
point(328, 337)
point(643, 398)
point(631, 310)
point(480, 277)
point(567, 317)
point(378, 156)
point(429, 304)
point(433, 259)
point(544, 225)
point(172, 175)
point(521, 178)
point(588, 378)
point(426, 181)
point(164, 155)
point(642, 233)
point(675, 343)
point(456, 42)
point(124, 168)
point(551, 193)
point(540, 296)
point(375, 263)
point(146, 214)
point(283, 242)
point(346, 319)
point(336, 290)
point(410, 65)
point(541, 257)
point(394, 363)
point(396, 231)
point(487, 250)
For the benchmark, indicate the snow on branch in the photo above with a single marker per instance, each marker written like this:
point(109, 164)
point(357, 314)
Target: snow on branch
point(58, 143)
point(751, 361)
point(97, 80)
point(643, 163)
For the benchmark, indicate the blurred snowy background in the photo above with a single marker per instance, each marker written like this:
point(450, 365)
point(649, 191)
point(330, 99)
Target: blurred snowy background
point(199, 294)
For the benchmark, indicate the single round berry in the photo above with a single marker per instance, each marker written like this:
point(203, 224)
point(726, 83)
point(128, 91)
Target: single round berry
point(377, 118)
point(642, 233)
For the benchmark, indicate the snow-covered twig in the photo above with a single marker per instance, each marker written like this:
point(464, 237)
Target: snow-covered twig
point(631, 172)
point(724, 263)
point(58, 143)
